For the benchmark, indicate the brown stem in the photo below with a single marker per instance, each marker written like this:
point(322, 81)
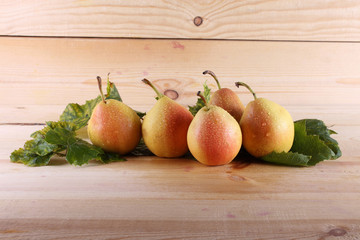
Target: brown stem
point(159, 95)
point(100, 88)
point(202, 97)
point(247, 86)
point(211, 73)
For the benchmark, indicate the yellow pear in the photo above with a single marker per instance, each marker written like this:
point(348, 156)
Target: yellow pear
point(226, 99)
point(114, 126)
point(266, 126)
point(165, 126)
point(214, 136)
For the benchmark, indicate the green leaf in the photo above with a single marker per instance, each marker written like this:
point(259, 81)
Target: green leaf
point(141, 149)
point(30, 158)
point(207, 92)
point(111, 91)
point(60, 136)
point(200, 103)
point(108, 157)
point(308, 143)
point(194, 109)
point(39, 146)
point(81, 152)
point(79, 115)
point(52, 125)
point(140, 114)
point(289, 158)
point(318, 127)
point(38, 151)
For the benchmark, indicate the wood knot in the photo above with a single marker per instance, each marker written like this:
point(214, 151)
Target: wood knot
point(236, 178)
point(198, 21)
point(171, 94)
point(337, 232)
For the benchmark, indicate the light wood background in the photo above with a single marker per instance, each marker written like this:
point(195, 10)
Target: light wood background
point(229, 19)
point(305, 55)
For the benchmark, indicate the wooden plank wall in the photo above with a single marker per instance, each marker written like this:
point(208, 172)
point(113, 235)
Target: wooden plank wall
point(305, 55)
point(51, 53)
point(230, 19)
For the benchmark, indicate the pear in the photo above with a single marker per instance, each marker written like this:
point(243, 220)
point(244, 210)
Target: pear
point(165, 126)
point(113, 126)
point(214, 136)
point(226, 99)
point(266, 126)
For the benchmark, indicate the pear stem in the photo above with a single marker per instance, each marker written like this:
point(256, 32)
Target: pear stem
point(237, 84)
point(100, 88)
point(203, 98)
point(108, 84)
point(159, 95)
point(211, 73)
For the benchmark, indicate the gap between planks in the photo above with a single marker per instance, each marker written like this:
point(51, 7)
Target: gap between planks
point(184, 39)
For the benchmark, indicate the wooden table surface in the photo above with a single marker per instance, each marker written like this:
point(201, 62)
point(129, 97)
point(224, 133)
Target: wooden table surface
point(51, 55)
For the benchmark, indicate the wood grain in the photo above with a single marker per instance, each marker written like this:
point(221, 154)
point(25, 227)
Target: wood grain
point(24, 114)
point(150, 177)
point(155, 198)
point(304, 77)
point(179, 229)
point(324, 20)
